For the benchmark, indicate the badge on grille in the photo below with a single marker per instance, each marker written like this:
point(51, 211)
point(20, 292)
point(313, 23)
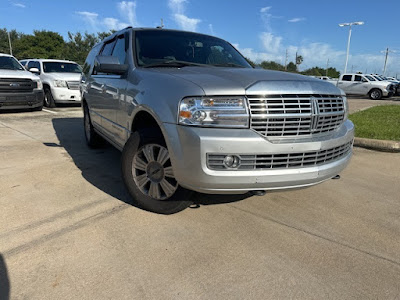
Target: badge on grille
point(14, 84)
point(314, 114)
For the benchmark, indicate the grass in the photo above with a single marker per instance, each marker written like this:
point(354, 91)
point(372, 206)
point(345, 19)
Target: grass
point(379, 122)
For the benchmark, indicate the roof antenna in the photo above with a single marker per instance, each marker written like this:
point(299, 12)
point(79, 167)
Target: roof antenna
point(162, 24)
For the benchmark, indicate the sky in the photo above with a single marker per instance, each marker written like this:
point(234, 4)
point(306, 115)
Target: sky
point(261, 30)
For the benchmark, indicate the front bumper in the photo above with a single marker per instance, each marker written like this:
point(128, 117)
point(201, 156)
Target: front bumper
point(189, 147)
point(65, 95)
point(21, 100)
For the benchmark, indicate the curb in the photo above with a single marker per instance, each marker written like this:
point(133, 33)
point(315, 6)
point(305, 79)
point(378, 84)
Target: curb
point(380, 145)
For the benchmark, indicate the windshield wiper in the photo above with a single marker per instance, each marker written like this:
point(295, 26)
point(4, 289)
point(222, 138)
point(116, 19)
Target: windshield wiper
point(229, 65)
point(173, 64)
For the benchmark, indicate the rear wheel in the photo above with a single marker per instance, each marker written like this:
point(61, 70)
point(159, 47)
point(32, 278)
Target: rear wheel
point(375, 94)
point(48, 98)
point(148, 174)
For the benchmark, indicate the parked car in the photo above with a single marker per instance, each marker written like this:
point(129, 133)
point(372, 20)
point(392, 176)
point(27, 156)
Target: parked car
point(361, 84)
point(395, 82)
point(60, 79)
point(190, 114)
point(19, 88)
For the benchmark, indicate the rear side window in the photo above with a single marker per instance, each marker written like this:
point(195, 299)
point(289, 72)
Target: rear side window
point(346, 78)
point(119, 49)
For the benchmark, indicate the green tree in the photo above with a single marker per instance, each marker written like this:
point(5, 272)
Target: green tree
point(272, 65)
point(252, 63)
point(102, 35)
point(291, 67)
point(78, 46)
point(4, 44)
point(42, 44)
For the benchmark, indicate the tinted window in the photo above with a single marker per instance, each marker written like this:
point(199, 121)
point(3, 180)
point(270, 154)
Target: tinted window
point(158, 46)
point(346, 77)
point(90, 59)
point(107, 50)
point(119, 50)
point(357, 78)
point(61, 67)
point(370, 78)
point(9, 63)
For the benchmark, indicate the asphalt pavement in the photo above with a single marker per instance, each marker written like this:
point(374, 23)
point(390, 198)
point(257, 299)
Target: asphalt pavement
point(68, 229)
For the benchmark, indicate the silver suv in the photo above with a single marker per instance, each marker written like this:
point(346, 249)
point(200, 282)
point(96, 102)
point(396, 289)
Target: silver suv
point(190, 114)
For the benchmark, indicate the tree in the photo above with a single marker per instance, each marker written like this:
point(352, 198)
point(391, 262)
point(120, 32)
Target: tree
point(102, 35)
point(299, 59)
point(78, 46)
point(272, 65)
point(42, 44)
point(291, 67)
point(252, 63)
point(4, 44)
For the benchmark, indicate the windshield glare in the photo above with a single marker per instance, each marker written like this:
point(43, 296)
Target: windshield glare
point(10, 63)
point(158, 46)
point(60, 67)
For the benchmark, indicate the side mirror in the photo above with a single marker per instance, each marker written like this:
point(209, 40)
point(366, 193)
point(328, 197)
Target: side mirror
point(34, 71)
point(110, 65)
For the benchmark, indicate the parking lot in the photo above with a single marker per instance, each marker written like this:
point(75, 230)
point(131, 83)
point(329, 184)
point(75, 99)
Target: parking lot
point(68, 230)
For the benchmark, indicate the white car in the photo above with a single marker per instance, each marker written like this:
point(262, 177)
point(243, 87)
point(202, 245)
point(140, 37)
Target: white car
point(60, 79)
point(19, 89)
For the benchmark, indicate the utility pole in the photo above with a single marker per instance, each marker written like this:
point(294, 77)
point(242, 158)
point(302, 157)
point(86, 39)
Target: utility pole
point(386, 58)
point(327, 64)
point(161, 24)
point(295, 60)
point(9, 42)
point(286, 60)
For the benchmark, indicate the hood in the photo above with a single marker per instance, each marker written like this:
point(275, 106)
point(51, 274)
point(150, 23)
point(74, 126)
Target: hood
point(17, 74)
point(65, 76)
point(240, 81)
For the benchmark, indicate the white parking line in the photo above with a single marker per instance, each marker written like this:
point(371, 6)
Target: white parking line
point(50, 111)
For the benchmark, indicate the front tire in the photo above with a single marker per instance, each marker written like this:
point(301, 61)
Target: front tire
point(48, 98)
point(148, 175)
point(93, 139)
point(375, 94)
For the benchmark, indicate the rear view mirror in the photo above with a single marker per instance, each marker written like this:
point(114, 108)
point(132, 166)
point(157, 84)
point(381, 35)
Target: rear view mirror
point(34, 71)
point(110, 65)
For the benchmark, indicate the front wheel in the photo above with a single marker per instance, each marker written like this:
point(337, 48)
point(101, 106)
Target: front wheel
point(148, 175)
point(375, 94)
point(48, 98)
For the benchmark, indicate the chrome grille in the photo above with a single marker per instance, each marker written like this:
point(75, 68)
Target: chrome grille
point(73, 85)
point(282, 160)
point(295, 115)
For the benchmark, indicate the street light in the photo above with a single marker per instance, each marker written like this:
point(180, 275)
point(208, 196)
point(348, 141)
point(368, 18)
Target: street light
point(348, 41)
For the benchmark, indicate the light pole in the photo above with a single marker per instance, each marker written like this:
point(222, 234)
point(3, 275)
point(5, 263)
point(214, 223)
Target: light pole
point(348, 41)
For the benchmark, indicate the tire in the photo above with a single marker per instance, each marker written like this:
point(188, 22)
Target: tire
point(375, 94)
point(93, 139)
point(148, 176)
point(48, 98)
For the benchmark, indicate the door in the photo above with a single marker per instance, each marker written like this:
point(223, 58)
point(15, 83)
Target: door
point(360, 86)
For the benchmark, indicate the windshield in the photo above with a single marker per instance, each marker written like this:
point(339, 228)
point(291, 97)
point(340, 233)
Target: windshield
point(370, 78)
point(60, 67)
point(9, 63)
point(377, 78)
point(177, 49)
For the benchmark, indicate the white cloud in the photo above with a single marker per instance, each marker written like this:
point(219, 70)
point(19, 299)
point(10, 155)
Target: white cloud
point(19, 5)
point(177, 8)
point(127, 9)
point(270, 42)
point(90, 18)
point(211, 28)
point(295, 20)
point(265, 9)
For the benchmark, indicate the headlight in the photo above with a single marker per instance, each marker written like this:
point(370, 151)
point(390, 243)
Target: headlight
point(60, 83)
point(39, 84)
point(214, 112)
point(346, 108)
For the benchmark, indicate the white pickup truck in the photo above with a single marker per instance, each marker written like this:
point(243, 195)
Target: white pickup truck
point(362, 84)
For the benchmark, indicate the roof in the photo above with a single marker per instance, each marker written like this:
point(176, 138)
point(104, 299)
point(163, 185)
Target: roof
point(49, 60)
point(5, 54)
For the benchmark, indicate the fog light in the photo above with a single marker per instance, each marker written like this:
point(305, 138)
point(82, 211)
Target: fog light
point(231, 161)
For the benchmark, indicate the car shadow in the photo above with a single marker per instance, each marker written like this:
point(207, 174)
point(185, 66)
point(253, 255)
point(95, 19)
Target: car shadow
point(101, 167)
point(4, 280)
